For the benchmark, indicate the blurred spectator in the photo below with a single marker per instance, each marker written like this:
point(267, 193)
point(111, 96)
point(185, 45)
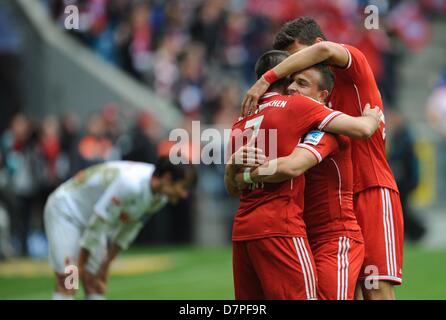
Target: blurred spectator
point(135, 41)
point(69, 131)
point(218, 202)
point(435, 6)
point(436, 116)
point(140, 142)
point(409, 23)
point(69, 139)
point(110, 115)
point(207, 25)
point(228, 105)
point(405, 167)
point(166, 71)
point(94, 147)
point(192, 78)
point(234, 53)
point(436, 106)
point(5, 241)
point(19, 161)
point(53, 163)
point(10, 101)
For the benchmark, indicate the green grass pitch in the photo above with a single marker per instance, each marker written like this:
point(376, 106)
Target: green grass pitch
point(197, 273)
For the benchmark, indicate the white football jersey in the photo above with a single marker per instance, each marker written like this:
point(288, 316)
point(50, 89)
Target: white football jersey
point(118, 192)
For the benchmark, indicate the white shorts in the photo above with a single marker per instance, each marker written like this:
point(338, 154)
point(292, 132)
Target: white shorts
point(64, 239)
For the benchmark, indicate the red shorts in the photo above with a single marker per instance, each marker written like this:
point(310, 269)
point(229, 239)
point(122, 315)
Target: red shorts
point(379, 213)
point(338, 263)
point(274, 268)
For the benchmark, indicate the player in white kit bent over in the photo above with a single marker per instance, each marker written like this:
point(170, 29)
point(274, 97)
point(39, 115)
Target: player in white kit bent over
point(106, 203)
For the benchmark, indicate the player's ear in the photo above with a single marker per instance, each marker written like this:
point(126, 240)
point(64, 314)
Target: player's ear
point(323, 95)
point(319, 39)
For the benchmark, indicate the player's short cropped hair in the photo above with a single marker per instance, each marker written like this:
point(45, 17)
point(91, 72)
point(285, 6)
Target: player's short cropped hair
point(269, 60)
point(327, 77)
point(178, 171)
point(304, 30)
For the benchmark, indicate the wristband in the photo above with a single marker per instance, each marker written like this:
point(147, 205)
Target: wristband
point(270, 76)
point(247, 176)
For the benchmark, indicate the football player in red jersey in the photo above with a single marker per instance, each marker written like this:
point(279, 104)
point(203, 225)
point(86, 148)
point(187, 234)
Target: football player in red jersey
point(271, 255)
point(373, 181)
point(333, 232)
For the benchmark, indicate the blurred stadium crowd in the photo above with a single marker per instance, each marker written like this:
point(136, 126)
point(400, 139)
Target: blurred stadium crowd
point(164, 43)
point(200, 55)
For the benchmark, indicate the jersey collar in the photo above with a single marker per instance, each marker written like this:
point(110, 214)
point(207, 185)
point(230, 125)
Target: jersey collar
point(269, 95)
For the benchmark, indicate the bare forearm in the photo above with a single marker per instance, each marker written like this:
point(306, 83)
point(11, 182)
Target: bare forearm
point(84, 254)
point(325, 51)
point(302, 60)
point(275, 171)
point(369, 125)
point(229, 180)
point(114, 251)
point(285, 168)
point(354, 127)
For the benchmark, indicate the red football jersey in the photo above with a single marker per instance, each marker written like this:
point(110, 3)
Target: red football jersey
point(329, 188)
point(354, 87)
point(275, 209)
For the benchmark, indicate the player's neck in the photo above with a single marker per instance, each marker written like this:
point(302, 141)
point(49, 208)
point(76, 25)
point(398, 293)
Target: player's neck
point(276, 90)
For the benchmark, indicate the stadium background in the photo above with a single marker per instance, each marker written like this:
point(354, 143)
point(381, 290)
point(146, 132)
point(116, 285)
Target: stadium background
point(137, 69)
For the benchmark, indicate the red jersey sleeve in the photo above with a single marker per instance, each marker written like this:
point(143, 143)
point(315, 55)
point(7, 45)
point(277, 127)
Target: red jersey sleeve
point(320, 144)
point(315, 114)
point(358, 68)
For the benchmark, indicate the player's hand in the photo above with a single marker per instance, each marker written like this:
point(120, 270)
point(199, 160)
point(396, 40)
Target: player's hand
point(100, 286)
point(251, 99)
point(375, 113)
point(248, 156)
point(102, 277)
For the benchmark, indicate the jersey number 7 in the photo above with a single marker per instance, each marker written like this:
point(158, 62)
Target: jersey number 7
point(256, 122)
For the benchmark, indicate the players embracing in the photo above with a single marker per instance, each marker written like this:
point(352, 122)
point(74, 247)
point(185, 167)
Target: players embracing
point(272, 255)
point(353, 185)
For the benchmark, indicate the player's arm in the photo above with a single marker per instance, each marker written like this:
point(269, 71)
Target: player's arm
point(90, 241)
point(245, 157)
point(325, 51)
point(330, 52)
point(106, 210)
point(280, 169)
point(315, 148)
point(355, 127)
point(229, 180)
point(120, 241)
point(91, 238)
point(125, 235)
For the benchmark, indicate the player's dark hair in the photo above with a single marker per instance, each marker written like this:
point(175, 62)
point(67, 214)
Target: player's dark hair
point(327, 77)
point(304, 30)
point(269, 60)
point(178, 171)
